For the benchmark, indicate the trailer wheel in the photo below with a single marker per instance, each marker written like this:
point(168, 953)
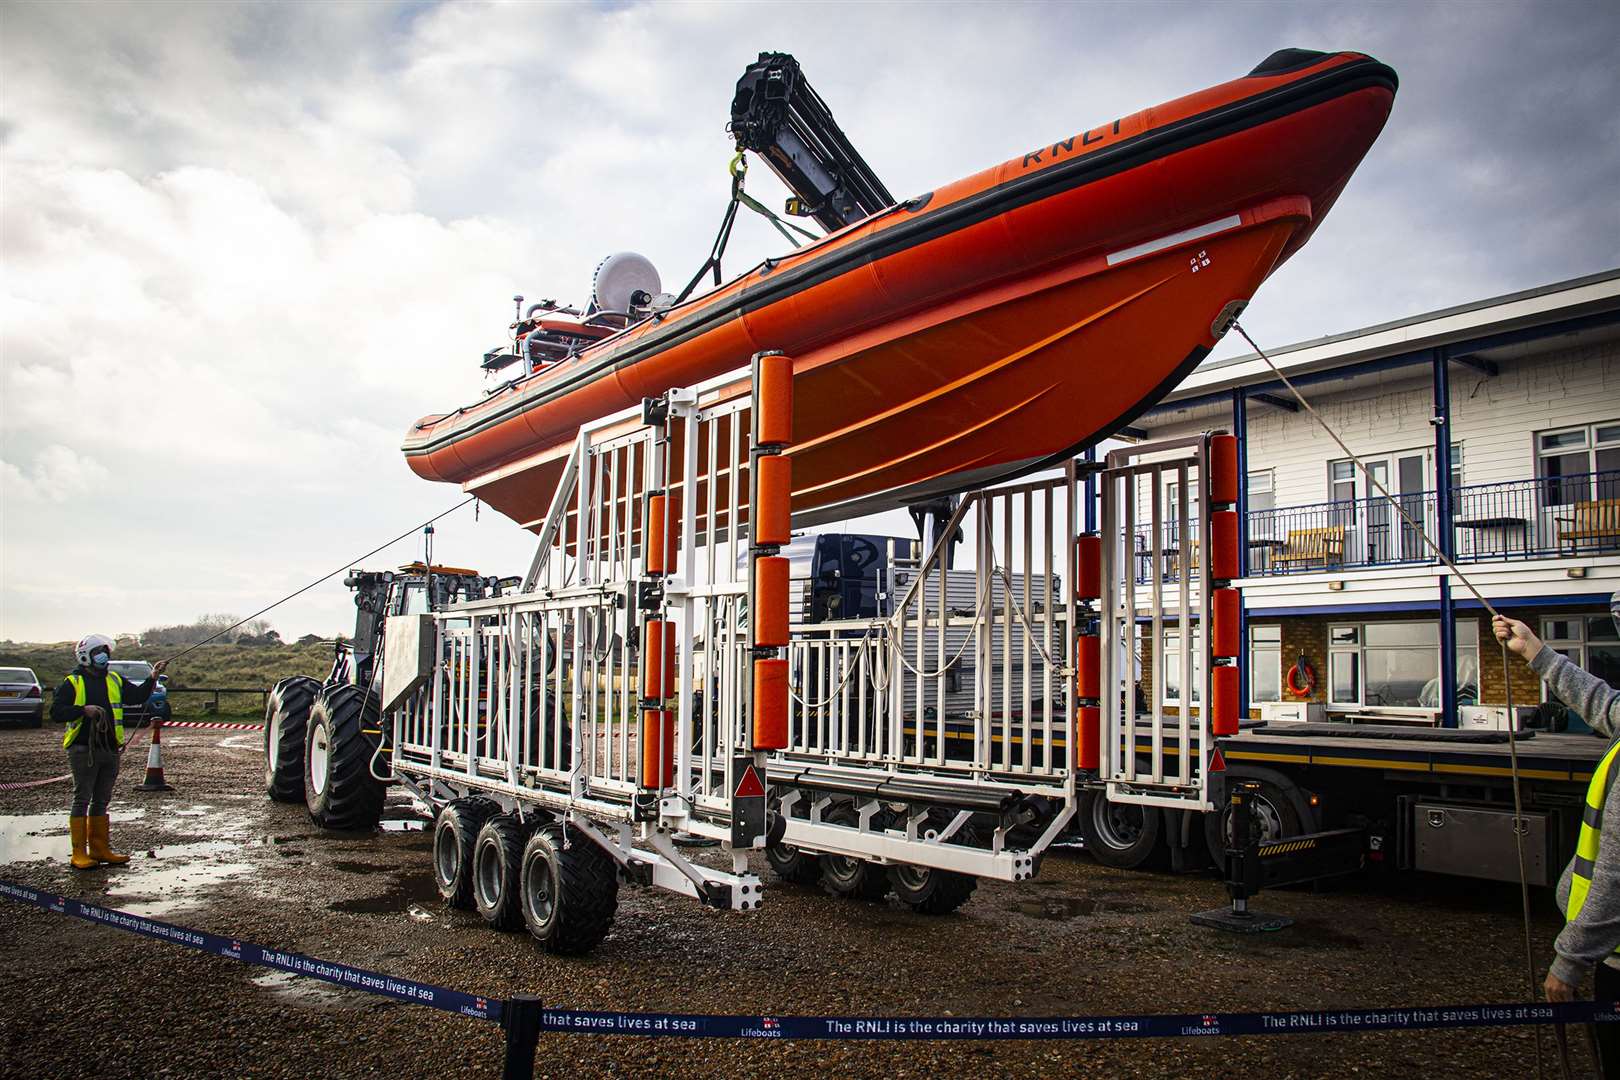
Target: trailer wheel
point(455, 834)
point(844, 875)
point(1121, 835)
point(339, 790)
point(570, 891)
point(1280, 811)
point(286, 715)
point(929, 890)
point(497, 868)
point(790, 864)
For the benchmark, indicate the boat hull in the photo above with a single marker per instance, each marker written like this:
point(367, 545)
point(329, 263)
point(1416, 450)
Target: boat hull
point(1000, 322)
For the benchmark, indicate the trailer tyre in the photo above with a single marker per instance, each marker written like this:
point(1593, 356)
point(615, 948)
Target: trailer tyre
point(455, 835)
point(286, 715)
point(339, 790)
point(844, 875)
point(570, 890)
point(929, 890)
point(790, 864)
point(1121, 835)
point(497, 871)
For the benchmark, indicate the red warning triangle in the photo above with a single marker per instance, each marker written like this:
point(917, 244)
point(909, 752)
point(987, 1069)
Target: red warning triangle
point(748, 785)
point(1217, 761)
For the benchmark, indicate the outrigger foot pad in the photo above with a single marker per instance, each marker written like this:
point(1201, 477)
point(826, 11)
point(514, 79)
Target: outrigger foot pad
point(1240, 922)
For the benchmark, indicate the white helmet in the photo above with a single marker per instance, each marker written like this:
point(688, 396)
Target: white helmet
point(89, 644)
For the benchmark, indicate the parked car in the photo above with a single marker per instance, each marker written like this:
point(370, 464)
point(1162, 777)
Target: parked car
point(135, 673)
point(21, 698)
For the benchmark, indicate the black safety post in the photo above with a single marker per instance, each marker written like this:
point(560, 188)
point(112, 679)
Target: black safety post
point(521, 1016)
point(1243, 870)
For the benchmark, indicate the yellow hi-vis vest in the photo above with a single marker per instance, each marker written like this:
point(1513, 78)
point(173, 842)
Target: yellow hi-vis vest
point(1586, 845)
point(115, 698)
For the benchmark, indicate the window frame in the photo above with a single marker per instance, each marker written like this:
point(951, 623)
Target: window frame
point(1465, 643)
point(1264, 648)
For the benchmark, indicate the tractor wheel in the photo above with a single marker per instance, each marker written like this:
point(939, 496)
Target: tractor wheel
point(339, 790)
point(570, 890)
point(497, 871)
point(455, 835)
point(845, 875)
point(286, 714)
point(1121, 835)
point(929, 890)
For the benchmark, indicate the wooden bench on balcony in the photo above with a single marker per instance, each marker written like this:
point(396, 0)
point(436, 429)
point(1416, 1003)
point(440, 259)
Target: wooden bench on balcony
point(1307, 546)
point(1596, 523)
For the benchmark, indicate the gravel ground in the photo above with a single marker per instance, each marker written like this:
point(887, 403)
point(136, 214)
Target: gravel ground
point(1079, 939)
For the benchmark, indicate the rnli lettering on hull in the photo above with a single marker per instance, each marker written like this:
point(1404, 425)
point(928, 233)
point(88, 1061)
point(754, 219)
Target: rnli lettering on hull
point(1066, 146)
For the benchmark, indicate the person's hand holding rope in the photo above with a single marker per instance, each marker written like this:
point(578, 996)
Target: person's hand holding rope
point(1518, 637)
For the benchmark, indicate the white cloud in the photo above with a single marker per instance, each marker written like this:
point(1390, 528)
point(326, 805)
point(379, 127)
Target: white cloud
point(245, 245)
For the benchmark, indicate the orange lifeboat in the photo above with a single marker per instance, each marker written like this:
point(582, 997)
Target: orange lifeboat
point(982, 329)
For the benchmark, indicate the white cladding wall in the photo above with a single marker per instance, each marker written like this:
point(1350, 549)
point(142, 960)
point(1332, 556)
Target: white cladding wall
point(1495, 419)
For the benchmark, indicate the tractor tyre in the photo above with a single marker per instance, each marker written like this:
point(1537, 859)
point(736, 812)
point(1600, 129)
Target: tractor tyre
point(340, 741)
point(286, 716)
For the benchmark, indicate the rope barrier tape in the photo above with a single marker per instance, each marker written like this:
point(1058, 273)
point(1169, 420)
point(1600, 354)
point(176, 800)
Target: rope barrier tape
point(20, 784)
point(983, 1028)
point(211, 725)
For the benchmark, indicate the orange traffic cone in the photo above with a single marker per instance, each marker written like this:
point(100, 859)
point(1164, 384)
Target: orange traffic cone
point(154, 762)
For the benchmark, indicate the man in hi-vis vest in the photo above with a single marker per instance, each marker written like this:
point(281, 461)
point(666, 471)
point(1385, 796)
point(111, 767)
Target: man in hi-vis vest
point(1589, 892)
point(91, 703)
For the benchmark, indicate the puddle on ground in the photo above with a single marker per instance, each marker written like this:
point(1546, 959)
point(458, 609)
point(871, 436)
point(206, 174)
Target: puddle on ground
point(1063, 907)
point(298, 989)
point(170, 877)
point(405, 894)
point(403, 825)
point(191, 811)
point(36, 837)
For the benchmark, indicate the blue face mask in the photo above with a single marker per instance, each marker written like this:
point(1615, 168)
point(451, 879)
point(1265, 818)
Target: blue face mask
point(99, 661)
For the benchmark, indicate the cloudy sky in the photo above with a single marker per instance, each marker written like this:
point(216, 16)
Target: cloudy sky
point(244, 246)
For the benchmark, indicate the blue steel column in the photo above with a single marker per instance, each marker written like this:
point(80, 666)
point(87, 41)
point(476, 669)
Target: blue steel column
point(1447, 536)
point(1091, 494)
point(1240, 429)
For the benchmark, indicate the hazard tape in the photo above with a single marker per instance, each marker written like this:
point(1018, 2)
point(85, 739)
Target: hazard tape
point(696, 1025)
point(211, 725)
point(19, 785)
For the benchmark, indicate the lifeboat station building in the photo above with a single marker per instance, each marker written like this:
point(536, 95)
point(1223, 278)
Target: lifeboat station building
point(1495, 427)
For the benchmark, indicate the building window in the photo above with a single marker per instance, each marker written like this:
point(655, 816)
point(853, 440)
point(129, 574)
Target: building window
point(1265, 664)
point(1592, 642)
point(1170, 672)
point(1579, 464)
point(1262, 490)
point(1397, 665)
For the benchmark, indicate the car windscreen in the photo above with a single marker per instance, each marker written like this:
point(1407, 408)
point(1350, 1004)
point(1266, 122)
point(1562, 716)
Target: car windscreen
point(133, 670)
point(16, 674)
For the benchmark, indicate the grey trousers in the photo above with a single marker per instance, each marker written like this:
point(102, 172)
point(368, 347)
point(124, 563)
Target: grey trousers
point(93, 774)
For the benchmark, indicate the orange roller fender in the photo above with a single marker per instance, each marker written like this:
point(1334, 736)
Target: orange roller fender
point(1223, 713)
point(657, 553)
point(1225, 640)
point(773, 516)
point(1088, 667)
point(1223, 528)
point(1223, 469)
point(657, 748)
point(1088, 567)
point(658, 661)
point(1088, 741)
point(775, 390)
point(770, 602)
point(770, 704)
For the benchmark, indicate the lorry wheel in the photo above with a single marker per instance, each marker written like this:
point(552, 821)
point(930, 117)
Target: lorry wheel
point(497, 866)
point(1121, 835)
point(339, 790)
point(1280, 810)
point(931, 891)
point(570, 890)
point(286, 714)
point(845, 875)
point(455, 833)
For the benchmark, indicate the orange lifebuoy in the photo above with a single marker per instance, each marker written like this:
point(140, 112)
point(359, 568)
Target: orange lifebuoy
point(1302, 670)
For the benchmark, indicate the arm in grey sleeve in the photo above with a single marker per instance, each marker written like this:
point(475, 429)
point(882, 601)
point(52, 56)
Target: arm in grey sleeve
point(1593, 700)
point(1594, 933)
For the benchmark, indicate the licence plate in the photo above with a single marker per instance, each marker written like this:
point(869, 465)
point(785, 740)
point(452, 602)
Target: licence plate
point(11, 693)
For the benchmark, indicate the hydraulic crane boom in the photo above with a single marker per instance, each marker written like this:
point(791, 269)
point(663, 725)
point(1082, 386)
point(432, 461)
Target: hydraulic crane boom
point(779, 116)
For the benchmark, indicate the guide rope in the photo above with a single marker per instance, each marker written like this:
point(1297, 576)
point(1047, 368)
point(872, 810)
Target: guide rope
point(1507, 680)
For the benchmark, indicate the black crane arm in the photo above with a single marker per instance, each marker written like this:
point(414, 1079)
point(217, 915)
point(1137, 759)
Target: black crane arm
point(779, 116)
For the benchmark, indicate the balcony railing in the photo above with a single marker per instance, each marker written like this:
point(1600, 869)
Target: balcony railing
point(1518, 519)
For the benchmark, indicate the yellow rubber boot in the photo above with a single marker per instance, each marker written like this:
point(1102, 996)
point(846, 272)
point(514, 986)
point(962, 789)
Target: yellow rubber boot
point(100, 849)
point(78, 829)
